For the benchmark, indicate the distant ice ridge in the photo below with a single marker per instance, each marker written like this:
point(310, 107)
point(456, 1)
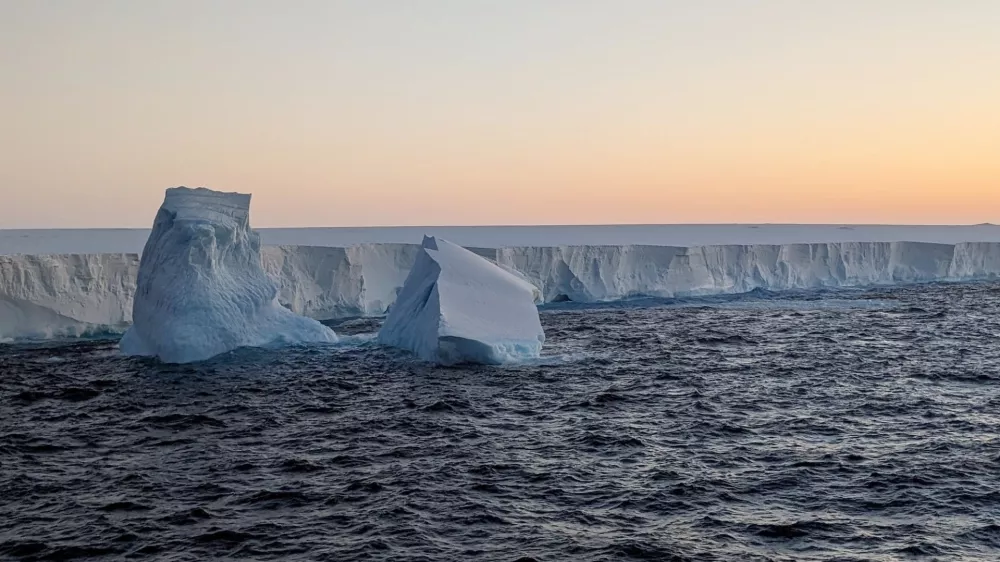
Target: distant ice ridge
point(327, 282)
point(70, 241)
point(457, 307)
point(201, 288)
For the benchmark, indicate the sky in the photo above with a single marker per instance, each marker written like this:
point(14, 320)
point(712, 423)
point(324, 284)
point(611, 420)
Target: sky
point(464, 112)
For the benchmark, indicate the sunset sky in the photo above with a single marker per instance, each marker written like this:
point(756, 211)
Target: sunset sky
point(431, 112)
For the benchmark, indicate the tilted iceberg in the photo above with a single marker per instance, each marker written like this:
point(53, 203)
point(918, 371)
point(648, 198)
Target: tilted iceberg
point(456, 307)
point(201, 289)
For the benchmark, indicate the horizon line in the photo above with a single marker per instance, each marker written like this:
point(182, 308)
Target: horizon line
point(595, 225)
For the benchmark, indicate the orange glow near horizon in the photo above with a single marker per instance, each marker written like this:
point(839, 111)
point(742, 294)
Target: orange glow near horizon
point(765, 112)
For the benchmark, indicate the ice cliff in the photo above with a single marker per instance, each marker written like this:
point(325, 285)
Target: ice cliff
point(62, 295)
point(201, 289)
point(70, 295)
point(324, 282)
point(457, 307)
point(602, 273)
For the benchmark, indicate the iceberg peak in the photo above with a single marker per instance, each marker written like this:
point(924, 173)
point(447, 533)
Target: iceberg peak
point(203, 204)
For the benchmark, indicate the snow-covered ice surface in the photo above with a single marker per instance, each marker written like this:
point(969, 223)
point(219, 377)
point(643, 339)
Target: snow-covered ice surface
point(456, 307)
point(201, 289)
point(75, 241)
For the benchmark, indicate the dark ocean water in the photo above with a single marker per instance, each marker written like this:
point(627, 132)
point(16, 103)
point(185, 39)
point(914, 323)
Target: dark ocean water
point(851, 425)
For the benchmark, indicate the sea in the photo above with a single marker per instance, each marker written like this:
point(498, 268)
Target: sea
point(847, 425)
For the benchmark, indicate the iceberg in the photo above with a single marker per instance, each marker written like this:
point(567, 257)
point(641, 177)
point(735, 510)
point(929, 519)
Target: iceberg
point(201, 289)
point(457, 307)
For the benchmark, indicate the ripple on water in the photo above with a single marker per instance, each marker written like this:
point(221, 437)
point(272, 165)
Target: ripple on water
point(852, 425)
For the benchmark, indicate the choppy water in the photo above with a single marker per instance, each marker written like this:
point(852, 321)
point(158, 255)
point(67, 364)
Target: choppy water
point(834, 426)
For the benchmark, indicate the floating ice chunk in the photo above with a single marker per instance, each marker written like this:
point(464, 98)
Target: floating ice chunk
point(457, 307)
point(201, 289)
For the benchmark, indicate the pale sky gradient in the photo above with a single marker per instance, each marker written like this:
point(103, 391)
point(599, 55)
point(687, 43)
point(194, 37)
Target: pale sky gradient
point(421, 112)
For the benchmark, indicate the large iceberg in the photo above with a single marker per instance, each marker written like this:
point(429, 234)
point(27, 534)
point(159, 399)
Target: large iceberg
point(456, 307)
point(201, 289)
